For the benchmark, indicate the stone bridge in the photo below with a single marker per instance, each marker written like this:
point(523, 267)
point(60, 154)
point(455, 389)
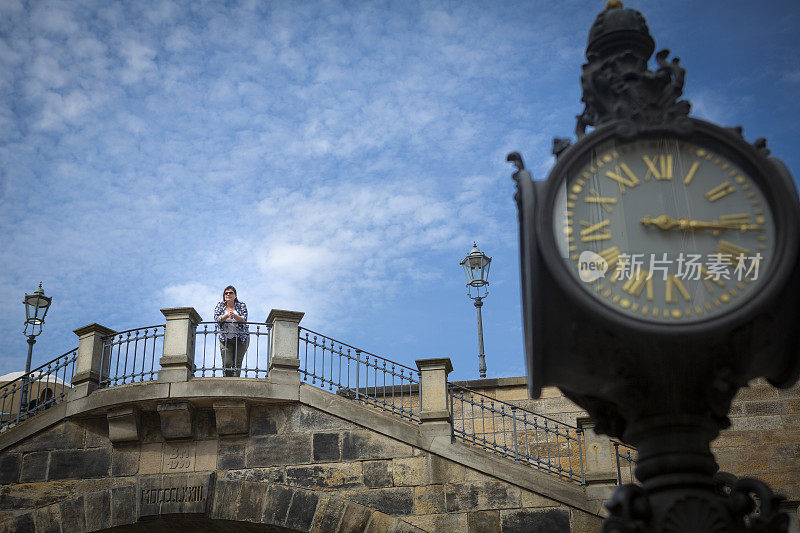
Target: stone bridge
point(182, 453)
point(275, 454)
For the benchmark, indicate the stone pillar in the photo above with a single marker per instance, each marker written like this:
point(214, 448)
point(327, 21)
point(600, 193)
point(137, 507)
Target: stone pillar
point(434, 413)
point(599, 463)
point(285, 361)
point(92, 362)
point(177, 363)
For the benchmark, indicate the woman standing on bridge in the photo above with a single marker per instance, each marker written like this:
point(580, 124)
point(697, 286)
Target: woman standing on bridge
point(234, 337)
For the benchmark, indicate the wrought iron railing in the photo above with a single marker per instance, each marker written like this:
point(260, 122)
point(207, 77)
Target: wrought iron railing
point(626, 462)
point(131, 356)
point(250, 359)
point(37, 390)
point(358, 374)
point(514, 432)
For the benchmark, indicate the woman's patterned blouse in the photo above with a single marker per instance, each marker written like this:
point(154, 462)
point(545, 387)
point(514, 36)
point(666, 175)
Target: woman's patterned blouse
point(240, 327)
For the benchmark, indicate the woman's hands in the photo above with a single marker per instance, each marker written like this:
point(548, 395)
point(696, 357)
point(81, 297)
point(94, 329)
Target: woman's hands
point(231, 314)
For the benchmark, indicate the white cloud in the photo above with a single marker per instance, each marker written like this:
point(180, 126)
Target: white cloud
point(139, 61)
point(198, 295)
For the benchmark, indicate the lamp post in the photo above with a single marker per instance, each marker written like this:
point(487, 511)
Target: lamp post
point(36, 306)
point(476, 268)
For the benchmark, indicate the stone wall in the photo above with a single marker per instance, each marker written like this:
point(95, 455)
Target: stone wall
point(762, 442)
point(295, 466)
point(764, 438)
point(324, 448)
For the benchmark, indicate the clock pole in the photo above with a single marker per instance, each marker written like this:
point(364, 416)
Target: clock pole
point(655, 374)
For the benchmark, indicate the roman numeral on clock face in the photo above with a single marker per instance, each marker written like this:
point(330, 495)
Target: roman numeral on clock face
point(595, 232)
point(692, 171)
point(674, 286)
point(624, 177)
point(728, 248)
point(638, 281)
point(720, 191)
point(605, 202)
point(611, 255)
point(660, 166)
point(709, 280)
point(738, 218)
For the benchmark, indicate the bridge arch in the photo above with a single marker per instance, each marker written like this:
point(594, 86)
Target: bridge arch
point(150, 503)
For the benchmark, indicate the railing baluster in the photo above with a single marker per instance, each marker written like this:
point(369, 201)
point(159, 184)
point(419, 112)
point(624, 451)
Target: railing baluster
point(375, 380)
point(514, 420)
point(144, 352)
point(579, 434)
point(358, 363)
point(525, 431)
point(339, 381)
point(127, 349)
point(135, 351)
point(503, 419)
point(547, 444)
point(305, 365)
point(348, 370)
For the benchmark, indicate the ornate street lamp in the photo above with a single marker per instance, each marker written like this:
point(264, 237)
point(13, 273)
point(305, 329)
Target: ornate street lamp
point(476, 267)
point(36, 306)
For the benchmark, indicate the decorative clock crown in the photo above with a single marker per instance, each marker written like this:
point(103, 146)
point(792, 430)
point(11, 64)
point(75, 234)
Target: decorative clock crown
point(617, 30)
point(616, 82)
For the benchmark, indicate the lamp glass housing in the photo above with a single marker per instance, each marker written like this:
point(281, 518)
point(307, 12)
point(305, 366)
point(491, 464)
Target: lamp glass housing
point(476, 267)
point(36, 307)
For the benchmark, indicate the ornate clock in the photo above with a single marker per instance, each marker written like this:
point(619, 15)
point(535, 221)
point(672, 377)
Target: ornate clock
point(660, 273)
point(667, 230)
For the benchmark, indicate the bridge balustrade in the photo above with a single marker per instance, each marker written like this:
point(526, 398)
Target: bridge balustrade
point(360, 375)
point(41, 388)
point(208, 357)
point(509, 430)
point(280, 350)
point(131, 356)
point(626, 459)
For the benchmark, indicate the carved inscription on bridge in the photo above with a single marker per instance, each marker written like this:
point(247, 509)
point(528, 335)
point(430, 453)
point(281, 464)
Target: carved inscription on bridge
point(174, 493)
point(179, 457)
point(175, 457)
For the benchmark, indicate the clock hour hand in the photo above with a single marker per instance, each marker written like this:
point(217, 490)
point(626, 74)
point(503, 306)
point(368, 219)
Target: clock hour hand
point(666, 222)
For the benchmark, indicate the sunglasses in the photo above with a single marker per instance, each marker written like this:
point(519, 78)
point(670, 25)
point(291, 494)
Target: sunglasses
point(227, 293)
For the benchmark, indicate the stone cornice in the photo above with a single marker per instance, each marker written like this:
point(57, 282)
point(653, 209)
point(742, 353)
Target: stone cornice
point(284, 316)
point(93, 328)
point(172, 313)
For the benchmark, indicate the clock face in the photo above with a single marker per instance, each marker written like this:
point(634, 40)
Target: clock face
point(664, 230)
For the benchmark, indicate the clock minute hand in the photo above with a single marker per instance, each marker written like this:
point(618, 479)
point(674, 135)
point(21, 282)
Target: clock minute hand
point(666, 222)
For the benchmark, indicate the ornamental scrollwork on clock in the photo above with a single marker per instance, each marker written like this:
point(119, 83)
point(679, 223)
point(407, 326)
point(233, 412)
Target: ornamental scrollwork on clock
point(621, 87)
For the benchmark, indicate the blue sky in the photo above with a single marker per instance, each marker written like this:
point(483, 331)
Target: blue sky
point(336, 158)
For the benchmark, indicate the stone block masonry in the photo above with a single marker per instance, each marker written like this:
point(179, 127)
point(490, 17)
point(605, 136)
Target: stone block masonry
point(293, 466)
point(762, 442)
